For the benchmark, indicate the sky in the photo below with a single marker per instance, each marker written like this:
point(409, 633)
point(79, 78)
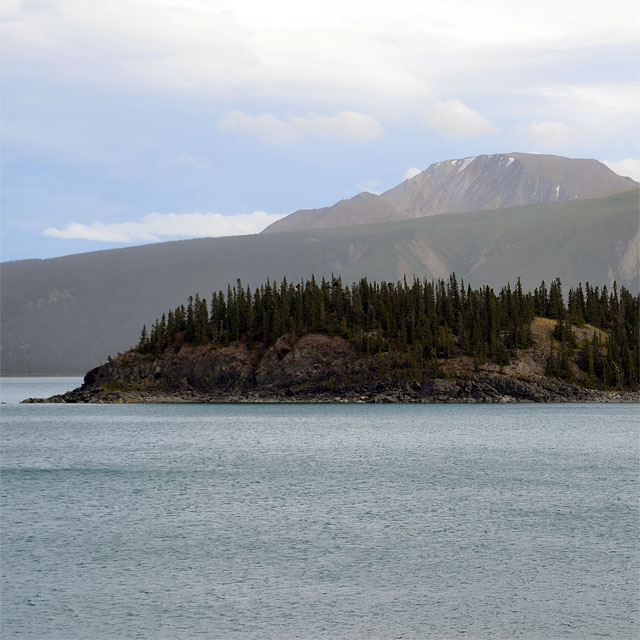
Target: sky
point(135, 121)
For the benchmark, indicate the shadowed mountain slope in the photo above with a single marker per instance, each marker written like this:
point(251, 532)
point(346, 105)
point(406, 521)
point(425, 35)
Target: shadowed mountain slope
point(65, 315)
point(468, 184)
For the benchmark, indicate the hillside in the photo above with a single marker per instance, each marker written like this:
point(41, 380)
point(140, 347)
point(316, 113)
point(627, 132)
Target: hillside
point(320, 368)
point(468, 184)
point(66, 315)
point(381, 342)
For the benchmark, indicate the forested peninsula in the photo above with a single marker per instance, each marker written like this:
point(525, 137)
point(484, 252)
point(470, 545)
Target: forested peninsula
point(418, 341)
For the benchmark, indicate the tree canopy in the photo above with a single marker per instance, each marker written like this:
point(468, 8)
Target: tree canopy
point(430, 319)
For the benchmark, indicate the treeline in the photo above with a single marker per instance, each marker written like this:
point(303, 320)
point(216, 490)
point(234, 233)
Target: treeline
point(426, 319)
point(612, 362)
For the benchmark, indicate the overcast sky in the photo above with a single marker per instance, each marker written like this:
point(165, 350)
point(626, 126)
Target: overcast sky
point(134, 121)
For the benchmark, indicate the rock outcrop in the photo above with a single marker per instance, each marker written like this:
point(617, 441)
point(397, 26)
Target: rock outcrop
point(319, 368)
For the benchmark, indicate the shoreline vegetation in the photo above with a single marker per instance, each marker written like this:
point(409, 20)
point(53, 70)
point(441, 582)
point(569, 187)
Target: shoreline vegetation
point(381, 342)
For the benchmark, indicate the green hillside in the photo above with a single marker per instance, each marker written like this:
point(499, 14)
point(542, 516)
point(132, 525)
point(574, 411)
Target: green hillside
point(68, 314)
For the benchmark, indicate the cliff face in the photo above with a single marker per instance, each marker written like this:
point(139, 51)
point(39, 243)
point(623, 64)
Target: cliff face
point(319, 368)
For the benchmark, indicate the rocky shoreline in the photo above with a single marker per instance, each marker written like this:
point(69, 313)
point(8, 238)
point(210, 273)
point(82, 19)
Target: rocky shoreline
point(437, 391)
point(318, 369)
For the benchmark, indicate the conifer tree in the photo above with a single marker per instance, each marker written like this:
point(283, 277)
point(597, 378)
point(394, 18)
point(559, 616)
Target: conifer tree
point(422, 320)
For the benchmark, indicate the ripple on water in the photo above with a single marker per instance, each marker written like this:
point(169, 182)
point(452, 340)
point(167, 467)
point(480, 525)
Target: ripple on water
point(272, 521)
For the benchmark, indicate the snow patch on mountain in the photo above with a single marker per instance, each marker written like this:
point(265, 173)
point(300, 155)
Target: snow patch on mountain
point(465, 163)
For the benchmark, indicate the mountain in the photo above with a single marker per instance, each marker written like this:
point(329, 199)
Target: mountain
point(66, 315)
point(468, 184)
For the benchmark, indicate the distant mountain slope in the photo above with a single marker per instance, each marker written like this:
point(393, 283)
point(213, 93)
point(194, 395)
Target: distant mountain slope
point(65, 315)
point(364, 208)
point(468, 184)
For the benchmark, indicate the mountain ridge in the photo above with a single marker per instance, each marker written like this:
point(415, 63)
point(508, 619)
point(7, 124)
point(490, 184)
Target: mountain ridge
point(475, 183)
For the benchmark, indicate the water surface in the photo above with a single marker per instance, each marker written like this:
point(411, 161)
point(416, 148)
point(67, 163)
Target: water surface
point(327, 521)
point(17, 389)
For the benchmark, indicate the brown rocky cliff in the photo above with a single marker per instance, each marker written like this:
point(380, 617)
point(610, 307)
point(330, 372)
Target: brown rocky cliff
point(317, 368)
point(223, 373)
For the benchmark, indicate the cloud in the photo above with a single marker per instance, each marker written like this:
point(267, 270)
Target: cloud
point(552, 135)
point(629, 167)
point(372, 50)
point(411, 172)
point(157, 226)
point(348, 126)
point(370, 186)
point(578, 114)
point(39, 7)
point(454, 119)
point(190, 160)
point(616, 99)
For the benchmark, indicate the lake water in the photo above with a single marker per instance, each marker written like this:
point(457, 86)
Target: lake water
point(14, 390)
point(325, 521)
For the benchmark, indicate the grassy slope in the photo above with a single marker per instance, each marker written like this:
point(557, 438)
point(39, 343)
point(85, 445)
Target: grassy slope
point(530, 363)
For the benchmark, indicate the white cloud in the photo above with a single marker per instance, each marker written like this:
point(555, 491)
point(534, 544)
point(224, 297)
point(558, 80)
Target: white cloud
point(158, 226)
point(371, 186)
point(454, 119)
point(364, 55)
point(619, 99)
point(41, 7)
point(580, 114)
point(629, 167)
point(348, 126)
point(550, 135)
point(367, 48)
point(194, 161)
point(411, 172)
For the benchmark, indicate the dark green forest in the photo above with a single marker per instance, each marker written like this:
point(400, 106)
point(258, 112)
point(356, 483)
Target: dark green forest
point(425, 320)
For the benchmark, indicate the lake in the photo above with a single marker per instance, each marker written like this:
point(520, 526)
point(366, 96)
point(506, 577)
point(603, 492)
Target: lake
point(317, 521)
